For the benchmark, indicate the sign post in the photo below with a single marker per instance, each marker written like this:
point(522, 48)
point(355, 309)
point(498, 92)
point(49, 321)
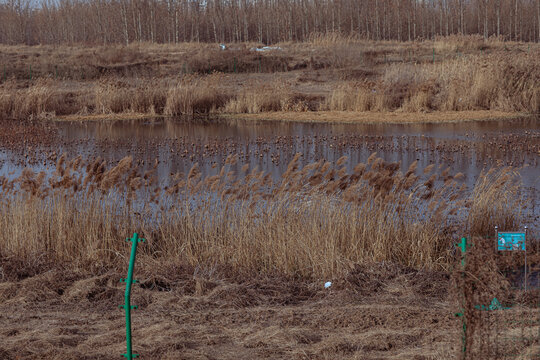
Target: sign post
point(513, 241)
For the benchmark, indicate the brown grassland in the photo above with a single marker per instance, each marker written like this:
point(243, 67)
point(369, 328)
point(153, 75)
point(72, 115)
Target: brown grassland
point(234, 264)
point(329, 77)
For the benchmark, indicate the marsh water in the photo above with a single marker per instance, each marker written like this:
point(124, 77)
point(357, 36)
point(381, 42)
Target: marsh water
point(177, 144)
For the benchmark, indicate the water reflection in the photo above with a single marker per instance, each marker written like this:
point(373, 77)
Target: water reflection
point(176, 144)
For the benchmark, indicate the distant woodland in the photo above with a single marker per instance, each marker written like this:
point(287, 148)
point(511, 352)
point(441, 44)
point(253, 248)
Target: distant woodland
point(264, 21)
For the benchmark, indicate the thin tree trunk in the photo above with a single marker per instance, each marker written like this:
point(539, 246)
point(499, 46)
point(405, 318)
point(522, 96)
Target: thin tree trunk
point(125, 23)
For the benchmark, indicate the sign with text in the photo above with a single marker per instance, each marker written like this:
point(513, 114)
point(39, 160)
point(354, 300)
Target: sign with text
point(511, 241)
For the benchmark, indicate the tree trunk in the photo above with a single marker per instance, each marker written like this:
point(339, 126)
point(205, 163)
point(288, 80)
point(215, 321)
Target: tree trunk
point(125, 23)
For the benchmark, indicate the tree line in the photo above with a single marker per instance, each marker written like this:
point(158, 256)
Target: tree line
point(263, 21)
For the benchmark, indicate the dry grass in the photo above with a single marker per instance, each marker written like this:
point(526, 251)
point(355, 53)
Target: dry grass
point(271, 97)
point(476, 83)
point(117, 97)
point(496, 201)
point(326, 73)
point(315, 222)
point(39, 99)
point(193, 95)
point(372, 117)
point(196, 315)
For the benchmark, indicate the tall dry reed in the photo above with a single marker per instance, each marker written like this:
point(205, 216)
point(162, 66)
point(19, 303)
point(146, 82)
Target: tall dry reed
point(316, 221)
point(505, 83)
point(192, 95)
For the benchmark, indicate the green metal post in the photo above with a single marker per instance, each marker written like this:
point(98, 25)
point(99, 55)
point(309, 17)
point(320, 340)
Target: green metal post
point(463, 245)
point(127, 295)
point(234, 65)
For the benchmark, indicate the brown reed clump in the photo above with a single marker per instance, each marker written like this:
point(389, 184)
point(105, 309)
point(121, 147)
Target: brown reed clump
point(192, 95)
point(113, 96)
point(275, 96)
point(316, 221)
point(38, 99)
point(495, 201)
point(475, 83)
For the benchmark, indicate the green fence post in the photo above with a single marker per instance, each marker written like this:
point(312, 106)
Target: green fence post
point(234, 65)
point(434, 55)
point(127, 295)
point(463, 246)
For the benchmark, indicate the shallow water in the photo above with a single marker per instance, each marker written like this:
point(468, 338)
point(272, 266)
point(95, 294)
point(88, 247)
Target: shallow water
point(177, 144)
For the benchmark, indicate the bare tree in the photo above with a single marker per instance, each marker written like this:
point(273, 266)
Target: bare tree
point(265, 21)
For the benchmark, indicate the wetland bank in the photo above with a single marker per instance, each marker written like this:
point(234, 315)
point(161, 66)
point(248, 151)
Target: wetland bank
point(242, 232)
point(291, 170)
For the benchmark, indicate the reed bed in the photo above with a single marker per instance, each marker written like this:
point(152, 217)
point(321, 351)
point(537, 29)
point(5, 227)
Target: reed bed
point(317, 221)
point(474, 83)
point(192, 95)
point(506, 83)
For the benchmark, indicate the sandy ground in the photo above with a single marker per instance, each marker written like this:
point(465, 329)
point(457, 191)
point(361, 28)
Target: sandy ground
point(55, 315)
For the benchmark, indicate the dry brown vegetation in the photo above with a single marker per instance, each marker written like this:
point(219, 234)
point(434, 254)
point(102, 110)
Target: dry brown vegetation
point(326, 73)
point(234, 263)
point(494, 334)
point(193, 314)
point(315, 222)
